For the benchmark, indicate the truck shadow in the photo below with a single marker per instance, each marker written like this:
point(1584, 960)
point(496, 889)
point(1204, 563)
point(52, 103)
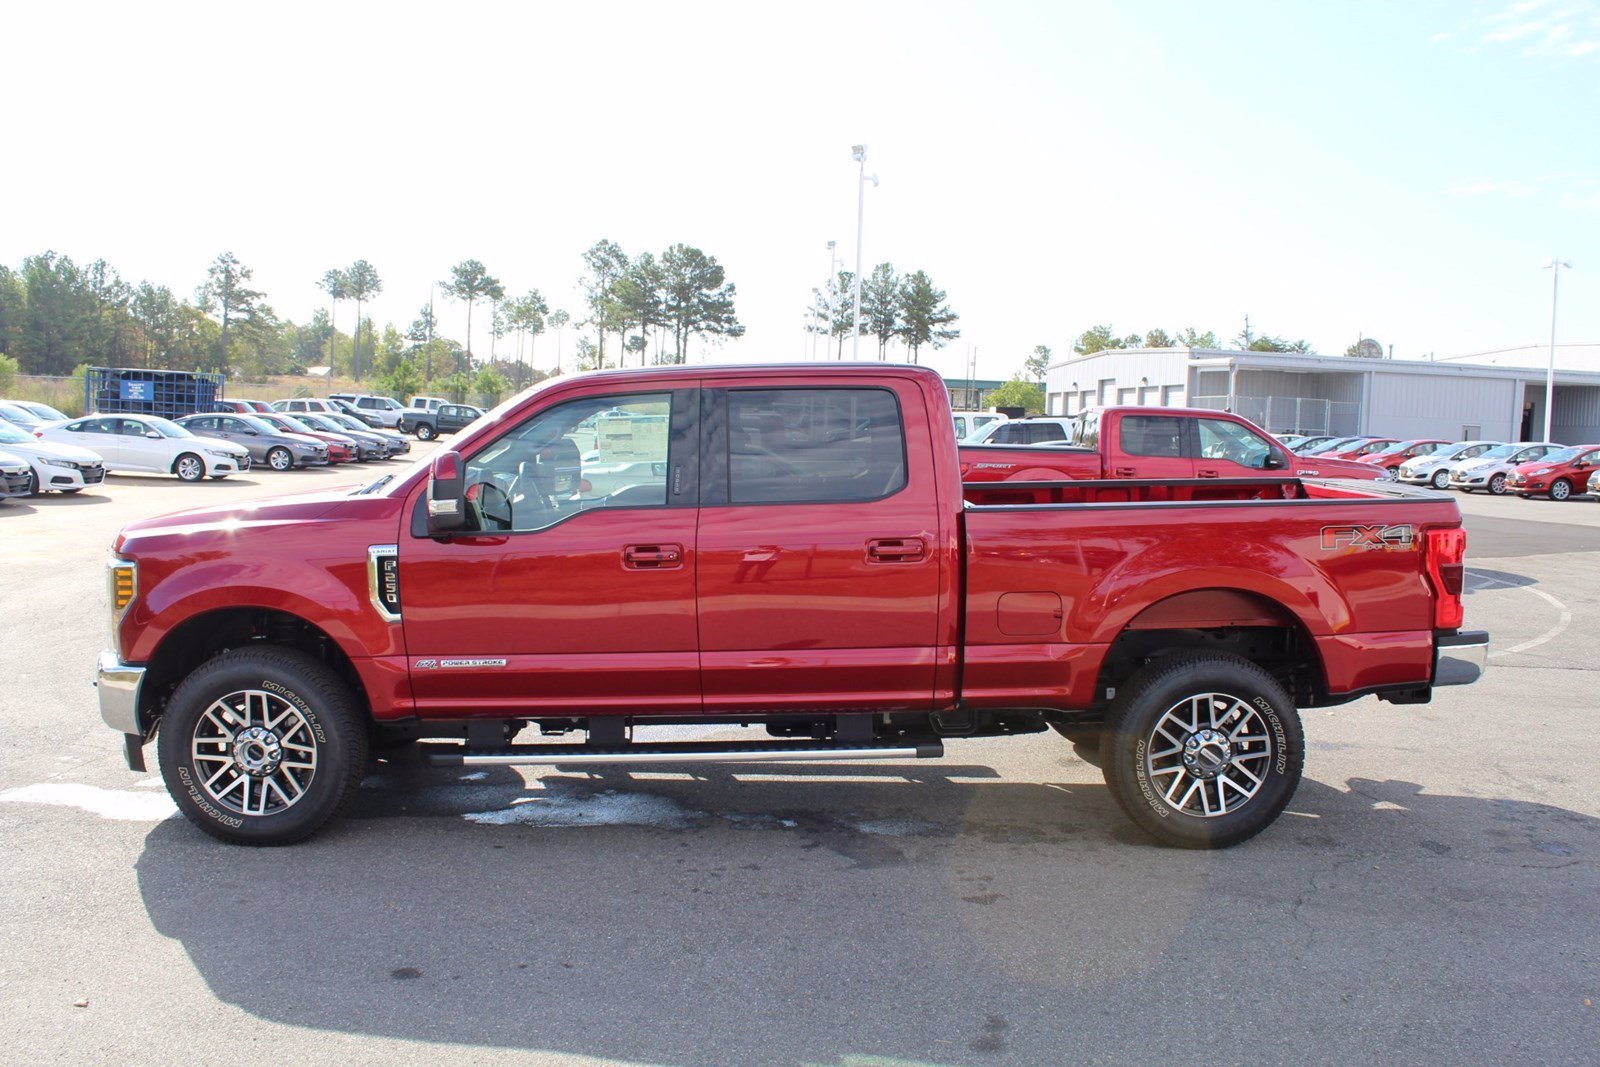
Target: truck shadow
point(929, 913)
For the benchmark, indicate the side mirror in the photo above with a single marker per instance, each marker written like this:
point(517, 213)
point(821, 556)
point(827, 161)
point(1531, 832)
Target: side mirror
point(447, 511)
point(1272, 462)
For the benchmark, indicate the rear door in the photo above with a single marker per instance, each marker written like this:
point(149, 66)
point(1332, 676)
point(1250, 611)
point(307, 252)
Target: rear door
point(101, 435)
point(819, 561)
point(1146, 446)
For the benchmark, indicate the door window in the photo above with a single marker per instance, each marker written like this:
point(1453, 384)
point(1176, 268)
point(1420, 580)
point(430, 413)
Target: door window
point(1220, 439)
point(605, 451)
point(788, 446)
point(1152, 435)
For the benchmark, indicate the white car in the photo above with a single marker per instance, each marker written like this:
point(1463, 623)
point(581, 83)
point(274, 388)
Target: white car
point(1033, 430)
point(1489, 470)
point(969, 422)
point(16, 476)
point(63, 468)
point(152, 445)
point(368, 406)
point(1434, 468)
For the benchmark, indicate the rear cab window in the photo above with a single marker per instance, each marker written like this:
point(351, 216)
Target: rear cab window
point(813, 445)
point(1151, 435)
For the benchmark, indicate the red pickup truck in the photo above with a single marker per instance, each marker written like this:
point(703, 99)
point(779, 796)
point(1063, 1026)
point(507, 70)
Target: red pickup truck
point(778, 547)
point(1144, 442)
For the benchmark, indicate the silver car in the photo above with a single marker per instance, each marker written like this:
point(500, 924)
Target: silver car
point(1434, 468)
point(268, 445)
point(1490, 470)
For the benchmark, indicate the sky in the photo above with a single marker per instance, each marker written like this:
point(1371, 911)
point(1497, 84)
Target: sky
point(1394, 170)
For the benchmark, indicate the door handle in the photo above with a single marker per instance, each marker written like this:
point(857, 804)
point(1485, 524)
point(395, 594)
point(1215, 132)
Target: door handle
point(1124, 472)
point(1207, 474)
point(895, 550)
point(652, 557)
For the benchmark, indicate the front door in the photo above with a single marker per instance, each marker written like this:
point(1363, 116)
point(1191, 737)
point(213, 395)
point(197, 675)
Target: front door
point(819, 552)
point(573, 591)
point(1226, 449)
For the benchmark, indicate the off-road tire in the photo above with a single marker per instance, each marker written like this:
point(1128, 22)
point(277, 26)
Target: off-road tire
point(1143, 702)
point(332, 721)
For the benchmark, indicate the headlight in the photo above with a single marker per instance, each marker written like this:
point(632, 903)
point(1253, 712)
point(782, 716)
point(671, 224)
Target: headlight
point(221, 453)
point(1541, 470)
point(64, 464)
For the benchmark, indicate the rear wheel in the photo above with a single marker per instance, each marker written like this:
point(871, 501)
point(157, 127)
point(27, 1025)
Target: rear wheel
point(1560, 489)
point(1203, 750)
point(262, 746)
point(189, 467)
point(279, 459)
point(426, 432)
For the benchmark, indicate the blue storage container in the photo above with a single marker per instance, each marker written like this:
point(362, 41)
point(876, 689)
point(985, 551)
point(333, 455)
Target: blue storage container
point(167, 393)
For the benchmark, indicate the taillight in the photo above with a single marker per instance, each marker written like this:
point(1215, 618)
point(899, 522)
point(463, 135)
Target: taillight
point(1447, 553)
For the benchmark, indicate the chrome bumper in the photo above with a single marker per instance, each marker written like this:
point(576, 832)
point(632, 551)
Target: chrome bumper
point(118, 685)
point(1460, 658)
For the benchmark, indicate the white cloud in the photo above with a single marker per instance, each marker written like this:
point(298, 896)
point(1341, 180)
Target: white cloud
point(1570, 29)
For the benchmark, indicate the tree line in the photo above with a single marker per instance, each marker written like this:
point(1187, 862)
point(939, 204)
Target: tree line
point(906, 308)
point(57, 315)
point(1101, 338)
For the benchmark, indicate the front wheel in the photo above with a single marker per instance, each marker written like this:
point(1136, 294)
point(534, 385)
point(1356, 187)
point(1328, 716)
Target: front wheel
point(1440, 479)
point(1560, 489)
point(1497, 485)
point(1203, 750)
point(279, 459)
point(189, 467)
point(262, 746)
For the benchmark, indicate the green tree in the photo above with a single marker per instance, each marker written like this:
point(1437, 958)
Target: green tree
point(57, 309)
point(226, 292)
point(362, 283)
point(1158, 338)
point(925, 319)
point(1018, 393)
point(8, 373)
point(697, 298)
point(525, 316)
point(470, 282)
point(490, 386)
point(832, 311)
point(13, 309)
point(456, 386)
point(1097, 339)
point(880, 306)
point(1192, 338)
point(588, 356)
point(402, 381)
point(638, 295)
point(337, 286)
point(606, 262)
point(558, 320)
point(1038, 363)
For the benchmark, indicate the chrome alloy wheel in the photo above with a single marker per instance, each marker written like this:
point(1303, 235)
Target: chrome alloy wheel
point(255, 753)
point(1209, 754)
point(190, 468)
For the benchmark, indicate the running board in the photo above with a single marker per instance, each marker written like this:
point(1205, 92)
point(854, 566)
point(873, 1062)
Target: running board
point(676, 752)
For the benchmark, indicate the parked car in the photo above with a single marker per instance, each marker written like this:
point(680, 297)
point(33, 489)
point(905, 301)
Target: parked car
point(309, 405)
point(1149, 442)
point(446, 418)
point(61, 468)
point(386, 409)
point(342, 448)
point(152, 445)
point(1433, 469)
point(369, 444)
point(19, 416)
point(1307, 445)
point(1034, 430)
point(835, 587)
point(16, 476)
point(1555, 475)
point(426, 403)
point(246, 407)
point(1362, 446)
point(1594, 486)
point(1289, 440)
point(396, 443)
point(267, 443)
point(44, 411)
point(1488, 470)
point(969, 422)
point(1390, 459)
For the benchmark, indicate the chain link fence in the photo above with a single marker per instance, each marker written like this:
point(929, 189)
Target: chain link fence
point(1291, 414)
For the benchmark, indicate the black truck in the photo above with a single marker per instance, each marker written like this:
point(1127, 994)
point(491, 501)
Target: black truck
point(447, 418)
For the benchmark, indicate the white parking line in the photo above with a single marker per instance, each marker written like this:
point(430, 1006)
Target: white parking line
point(1555, 631)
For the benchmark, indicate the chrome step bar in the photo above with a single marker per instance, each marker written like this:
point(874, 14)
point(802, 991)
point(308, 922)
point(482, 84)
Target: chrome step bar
point(677, 752)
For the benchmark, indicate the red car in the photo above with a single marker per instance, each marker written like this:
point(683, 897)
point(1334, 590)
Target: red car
point(1390, 458)
point(1557, 475)
point(242, 407)
point(1360, 448)
point(341, 449)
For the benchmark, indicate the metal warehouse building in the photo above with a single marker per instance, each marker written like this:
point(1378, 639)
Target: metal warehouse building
point(1459, 398)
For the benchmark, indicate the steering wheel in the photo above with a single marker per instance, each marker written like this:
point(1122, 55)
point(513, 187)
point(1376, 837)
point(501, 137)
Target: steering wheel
point(490, 505)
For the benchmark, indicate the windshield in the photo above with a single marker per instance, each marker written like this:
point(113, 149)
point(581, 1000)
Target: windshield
point(320, 421)
point(349, 422)
point(1396, 448)
point(1332, 446)
point(1501, 452)
point(19, 415)
point(290, 423)
point(10, 435)
point(257, 424)
point(165, 427)
point(45, 411)
point(1562, 455)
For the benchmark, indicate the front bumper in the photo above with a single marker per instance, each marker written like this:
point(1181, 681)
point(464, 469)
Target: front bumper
point(55, 477)
point(1460, 658)
point(16, 483)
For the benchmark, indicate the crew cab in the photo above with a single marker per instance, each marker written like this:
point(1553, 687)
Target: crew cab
point(446, 418)
point(796, 554)
point(1146, 442)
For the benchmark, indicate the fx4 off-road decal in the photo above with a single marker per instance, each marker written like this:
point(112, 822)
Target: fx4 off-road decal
point(1396, 538)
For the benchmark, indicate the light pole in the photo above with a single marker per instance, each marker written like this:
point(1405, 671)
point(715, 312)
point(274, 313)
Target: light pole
point(1554, 267)
point(859, 154)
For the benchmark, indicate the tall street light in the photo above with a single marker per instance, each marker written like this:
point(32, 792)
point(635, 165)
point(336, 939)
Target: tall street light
point(1554, 267)
point(859, 154)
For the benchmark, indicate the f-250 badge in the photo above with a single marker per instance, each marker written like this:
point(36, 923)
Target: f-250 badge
point(1366, 538)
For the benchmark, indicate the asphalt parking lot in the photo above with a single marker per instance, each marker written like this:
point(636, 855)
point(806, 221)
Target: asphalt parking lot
point(1429, 898)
